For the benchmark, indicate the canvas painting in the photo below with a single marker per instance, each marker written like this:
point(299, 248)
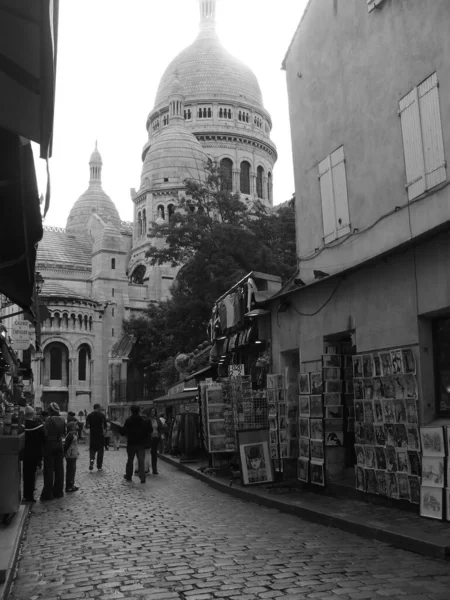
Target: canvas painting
point(414, 489)
point(317, 450)
point(412, 433)
point(303, 469)
point(403, 486)
point(315, 406)
point(367, 365)
point(358, 389)
point(331, 399)
point(410, 383)
point(332, 360)
point(380, 458)
point(357, 367)
point(381, 483)
point(317, 473)
point(316, 380)
point(433, 471)
point(369, 453)
point(303, 383)
point(303, 427)
point(331, 373)
point(334, 438)
point(432, 439)
point(402, 460)
point(303, 447)
point(303, 402)
point(386, 363)
point(316, 432)
point(409, 362)
point(431, 502)
point(360, 456)
point(411, 411)
point(371, 481)
point(256, 466)
point(334, 412)
point(391, 485)
point(397, 362)
point(360, 480)
point(415, 465)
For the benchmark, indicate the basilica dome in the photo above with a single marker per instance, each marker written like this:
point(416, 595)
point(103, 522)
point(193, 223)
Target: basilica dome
point(207, 70)
point(94, 199)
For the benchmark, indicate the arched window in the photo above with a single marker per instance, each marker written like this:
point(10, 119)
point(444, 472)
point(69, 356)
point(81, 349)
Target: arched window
point(226, 175)
point(139, 223)
point(220, 112)
point(90, 323)
point(160, 212)
point(269, 187)
point(144, 222)
point(138, 275)
point(245, 177)
point(113, 263)
point(85, 322)
point(84, 357)
point(229, 113)
point(246, 117)
point(55, 363)
point(209, 113)
point(171, 210)
point(259, 182)
point(240, 116)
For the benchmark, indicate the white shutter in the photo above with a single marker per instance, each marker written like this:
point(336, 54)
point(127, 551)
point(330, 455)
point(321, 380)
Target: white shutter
point(326, 192)
point(412, 144)
point(340, 192)
point(433, 143)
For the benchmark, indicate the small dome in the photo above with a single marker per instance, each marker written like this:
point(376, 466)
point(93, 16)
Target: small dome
point(96, 200)
point(96, 156)
point(175, 153)
point(205, 69)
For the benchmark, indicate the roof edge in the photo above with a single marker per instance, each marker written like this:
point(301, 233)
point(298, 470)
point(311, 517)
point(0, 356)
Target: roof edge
point(283, 64)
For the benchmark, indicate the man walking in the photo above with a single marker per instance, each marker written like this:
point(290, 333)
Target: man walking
point(96, 424)
point(135, 429)
point(55, 429)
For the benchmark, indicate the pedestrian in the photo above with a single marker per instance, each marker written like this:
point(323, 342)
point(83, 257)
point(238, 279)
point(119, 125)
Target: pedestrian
point(135, 429)
point(71, 417)
point(115, 436)
point(96, 425)
point(107, 435)
point(55, 429)
point(81, 421)
point(71, 454)
point(162, 438)
point(32, 452)
point(156, 430)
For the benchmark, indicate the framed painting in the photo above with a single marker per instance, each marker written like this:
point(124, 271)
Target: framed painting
point(433, 471)
point(316, 432)
point(316, 382)
point(303, 427)
point(317, 473)
point(303, 469)
point(432, 439)
point(304, 406)
point(304, 384)
point(303, 447)
point(316, 407)
point(431, 502)
point(256, 465)
point(317, 450)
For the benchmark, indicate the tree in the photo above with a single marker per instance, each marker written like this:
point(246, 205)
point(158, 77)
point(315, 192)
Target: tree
point(216, 239)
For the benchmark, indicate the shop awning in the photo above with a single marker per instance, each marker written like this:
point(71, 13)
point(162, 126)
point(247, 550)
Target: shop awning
point(28, 43)
point(200, 372)
point(186, 395)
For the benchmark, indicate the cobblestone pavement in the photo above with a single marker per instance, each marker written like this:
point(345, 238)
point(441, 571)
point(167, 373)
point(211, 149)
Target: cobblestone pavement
point(175, 538)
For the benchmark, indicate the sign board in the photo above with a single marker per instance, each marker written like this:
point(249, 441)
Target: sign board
point(20, 335)
point(236, 370)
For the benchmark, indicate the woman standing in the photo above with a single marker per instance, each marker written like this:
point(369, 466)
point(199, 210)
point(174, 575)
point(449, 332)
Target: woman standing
point(156, 429)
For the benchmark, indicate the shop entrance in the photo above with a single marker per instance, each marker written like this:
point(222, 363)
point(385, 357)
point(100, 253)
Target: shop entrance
point(61, 399)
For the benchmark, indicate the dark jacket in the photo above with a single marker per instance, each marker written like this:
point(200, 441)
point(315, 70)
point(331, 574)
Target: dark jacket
point(149, 430)
point(34, 440)
point(55, 430)
point(135, 430)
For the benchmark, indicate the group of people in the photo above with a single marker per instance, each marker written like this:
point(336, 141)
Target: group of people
point(52, 440)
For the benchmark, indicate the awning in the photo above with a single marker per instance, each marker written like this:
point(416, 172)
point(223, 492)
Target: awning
point(189, 394)
point(28, 43)
point(200, 372)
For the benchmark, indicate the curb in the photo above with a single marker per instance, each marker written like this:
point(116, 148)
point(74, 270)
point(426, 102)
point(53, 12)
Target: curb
point(324, 517)
point(22, 515)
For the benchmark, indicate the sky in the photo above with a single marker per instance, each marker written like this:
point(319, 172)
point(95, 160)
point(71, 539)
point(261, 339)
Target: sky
point(111, 57)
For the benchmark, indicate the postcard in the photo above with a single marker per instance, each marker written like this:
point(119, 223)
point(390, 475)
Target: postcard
point(317, 473)
point(358, 389)
point(303, 447)
point(316, 380)
point(317, 450)
point(360, 456)
point(357, 366)
point(433, 471)
point(316, 426)
point(431, 502)
point(367, 365)
point(432, 439)
point(386, 363)
point(369, 453)
point(303, 427)
point(303, 384)
point(397, 362)
point(411, 411)
point(409, 361)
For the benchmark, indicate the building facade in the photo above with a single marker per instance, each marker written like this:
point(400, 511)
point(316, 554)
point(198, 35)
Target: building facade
point(368, 87)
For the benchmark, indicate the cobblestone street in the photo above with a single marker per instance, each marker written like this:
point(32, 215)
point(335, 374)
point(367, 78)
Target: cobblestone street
point(175, 538)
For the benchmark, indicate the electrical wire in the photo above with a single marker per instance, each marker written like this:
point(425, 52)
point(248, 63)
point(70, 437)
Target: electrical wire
point(323, 305)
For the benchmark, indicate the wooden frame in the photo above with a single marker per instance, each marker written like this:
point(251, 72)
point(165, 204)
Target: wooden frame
point(256, 465)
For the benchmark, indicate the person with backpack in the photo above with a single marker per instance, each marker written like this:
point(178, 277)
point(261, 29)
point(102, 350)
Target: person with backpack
point(55, 429)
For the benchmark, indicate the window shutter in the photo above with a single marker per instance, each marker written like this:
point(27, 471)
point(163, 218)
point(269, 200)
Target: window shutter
point(340, 192)
point(433, 143)
point(412, 144)
point(326, 192)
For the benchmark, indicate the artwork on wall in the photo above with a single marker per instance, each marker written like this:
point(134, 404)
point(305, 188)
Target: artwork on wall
point(256, 466)
point(316, 407)
point(397, 362)
point(386, 363)
point(317, 450)
point(303, 469)
point(304, 406)
point(432, 439)
point(303, 447)
point(433, 471)
point(303, 427)
point(431, 502)
point(357, 367)
point(317, 473)
point(316, 383)
point(316, 426)
point(304, 384)
point(367, 364)
point(408, 360)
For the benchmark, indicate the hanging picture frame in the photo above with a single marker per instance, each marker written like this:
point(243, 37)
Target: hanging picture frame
point(316, 380)
point(317, 473)
point(433, 471)
point(432, 439)
point(303, 447)
point(317, 450)
point(431, 502)
point(316, 406)
point(409, 361)
point(303, 469)
point(304, 406)
point(304, 386)
point(256, 465)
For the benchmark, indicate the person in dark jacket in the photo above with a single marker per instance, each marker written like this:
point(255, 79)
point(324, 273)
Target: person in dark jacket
point(32, 453)
point(135, 430)
point(156, 429)
point(55, 429)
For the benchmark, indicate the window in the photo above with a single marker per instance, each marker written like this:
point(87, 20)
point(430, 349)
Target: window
point(333, 191)
point(56, 363)
point(269, 187)
point(171, 210)
point(139, 223)
point(245, 177)
point(112, 332)
point(259, 182)
point(441, 347)
point(422, 138)
point(138, 275)
point(112, 292)
point(144, 222)
point(113, 263)
point(83, 362)
point(226, 175)
point(112, 312)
